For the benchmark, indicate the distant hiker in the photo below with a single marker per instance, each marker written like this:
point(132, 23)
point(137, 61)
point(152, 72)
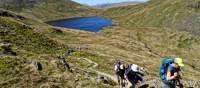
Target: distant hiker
point(69, 52)
point(132, 75)
point(169, 72)
point(64, 62)
point(120, 70)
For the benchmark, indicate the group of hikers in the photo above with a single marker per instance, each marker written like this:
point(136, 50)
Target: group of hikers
point(130, 75)
point(169, 73)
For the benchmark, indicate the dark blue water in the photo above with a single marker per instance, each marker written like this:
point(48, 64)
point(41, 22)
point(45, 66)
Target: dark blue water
point(93, 24)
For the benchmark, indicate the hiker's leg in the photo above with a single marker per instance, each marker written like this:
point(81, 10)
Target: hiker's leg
point(67, 67)
point(164, 85)
point(118, 79)
point(133, 82)
point(129, 84)
point(173, 86)
point(133, 86)
point(123, 82)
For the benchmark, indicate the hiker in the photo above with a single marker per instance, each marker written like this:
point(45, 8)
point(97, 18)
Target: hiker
point(132, 75)
point(169, 72)
point(120, 70)
point(64, 62)
point(69, 52)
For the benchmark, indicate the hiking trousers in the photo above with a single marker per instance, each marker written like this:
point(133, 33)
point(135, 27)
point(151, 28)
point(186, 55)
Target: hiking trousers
point(131, 83)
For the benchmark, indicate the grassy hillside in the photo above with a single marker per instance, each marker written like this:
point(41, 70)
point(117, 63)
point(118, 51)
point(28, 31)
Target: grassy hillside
point(23, 45)
point(24, 40)
point(174, 14)
point(142, 46)
point(47, 10)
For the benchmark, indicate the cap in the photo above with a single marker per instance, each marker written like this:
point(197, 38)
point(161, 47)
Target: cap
point(135, 68)
point(179, 61)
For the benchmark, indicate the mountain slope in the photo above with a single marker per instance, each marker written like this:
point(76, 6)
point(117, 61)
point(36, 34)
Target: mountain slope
point(174, 14)
point(47, 10)
point(25, 41)
point(111, 5)
point(22, 46)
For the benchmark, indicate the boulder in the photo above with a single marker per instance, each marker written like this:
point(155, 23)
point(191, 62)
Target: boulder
point(38, 65)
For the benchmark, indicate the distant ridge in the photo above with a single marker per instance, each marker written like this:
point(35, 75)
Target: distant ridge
point(43, 9)
point(111, 5)
point(174, 14)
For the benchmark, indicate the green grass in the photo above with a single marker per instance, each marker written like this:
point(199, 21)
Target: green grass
point(24, 37)
point(54, 10)
point(32, 44)
point(48, 10)
point(173, 14)
point(9, 68)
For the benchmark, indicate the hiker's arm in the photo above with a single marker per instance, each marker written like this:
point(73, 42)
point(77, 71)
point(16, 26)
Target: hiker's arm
point(125, 74)
point(169, 77)
point(140, 73)
point(115, 68)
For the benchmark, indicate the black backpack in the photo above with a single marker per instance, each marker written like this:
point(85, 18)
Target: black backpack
point(119, 70)
point(129, 70)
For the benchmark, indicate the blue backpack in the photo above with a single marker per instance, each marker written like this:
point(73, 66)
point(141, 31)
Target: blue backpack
point(164, 66)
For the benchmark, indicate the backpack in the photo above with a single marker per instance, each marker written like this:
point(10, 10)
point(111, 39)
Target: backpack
point(164, 67)
point(129, 71)
point(119, 70)
point(133, 76)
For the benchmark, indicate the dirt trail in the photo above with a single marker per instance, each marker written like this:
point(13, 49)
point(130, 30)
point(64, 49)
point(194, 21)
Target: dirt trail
point(107, 75)
point(94, 65)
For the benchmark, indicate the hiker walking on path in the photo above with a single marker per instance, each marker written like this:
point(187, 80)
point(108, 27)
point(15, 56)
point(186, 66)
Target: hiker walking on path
point(132, 75)
point(64, 62)
point(119, 71)
point(169, 72)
